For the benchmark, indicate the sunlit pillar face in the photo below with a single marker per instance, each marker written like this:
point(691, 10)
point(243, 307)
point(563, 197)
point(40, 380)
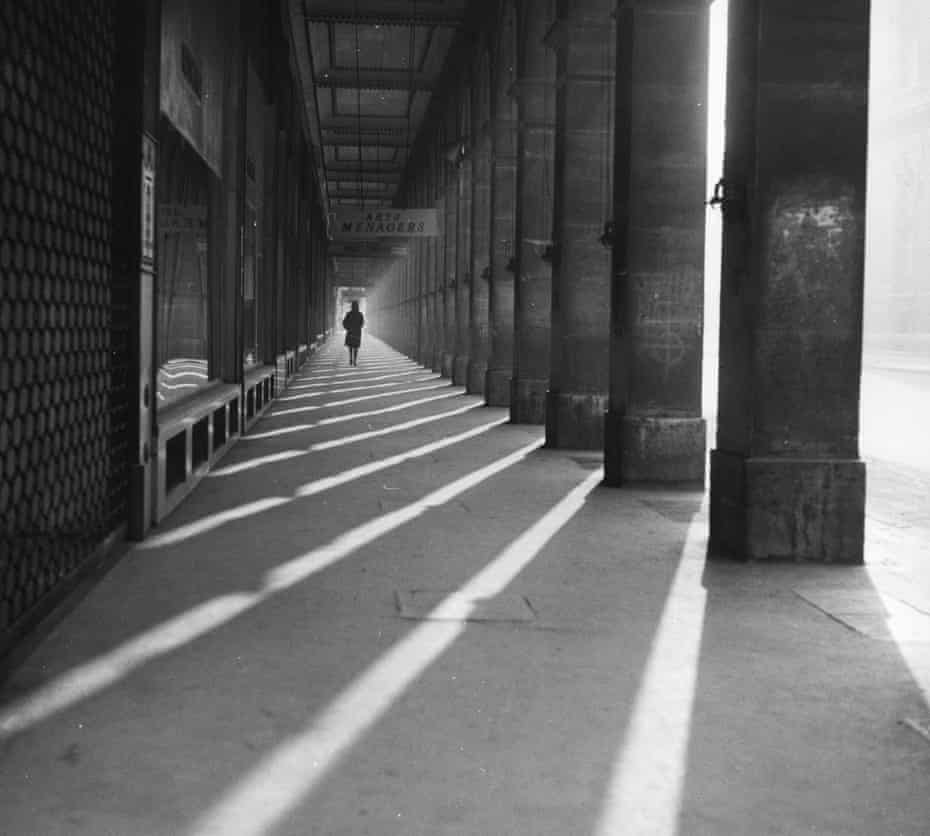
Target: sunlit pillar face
point(794, 220)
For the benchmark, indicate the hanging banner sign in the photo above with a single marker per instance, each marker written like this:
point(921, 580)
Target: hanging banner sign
point(384, 223)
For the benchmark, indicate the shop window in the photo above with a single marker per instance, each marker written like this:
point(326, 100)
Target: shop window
point(183, 249)
point(249, 282)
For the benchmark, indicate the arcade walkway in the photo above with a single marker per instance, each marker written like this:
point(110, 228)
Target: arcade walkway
point(390, 612)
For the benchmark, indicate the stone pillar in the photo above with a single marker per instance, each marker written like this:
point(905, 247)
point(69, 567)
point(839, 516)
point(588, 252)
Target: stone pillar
point(654, 429)
point(503, 198)
point(422, 330)
point(418, 245)
point(463, 276)
point(786, 478)
point(438, 270)
point(535, 95)
point(450, 260)
point(402, 338)
point(433, 321)
point(479, 340)
point(584, 40)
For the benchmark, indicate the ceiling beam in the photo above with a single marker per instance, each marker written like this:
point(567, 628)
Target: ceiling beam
point(367, 79)
point(382, 12)
point(368, 125)
point(384, 197)
point(347, 170)
point(347, 136)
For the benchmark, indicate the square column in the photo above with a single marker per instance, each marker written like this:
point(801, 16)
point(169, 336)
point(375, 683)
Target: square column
point(450, 261)
point(654, 430)
point(786, 478)
point(463, 275)
point(503, 196)
point(584, 40)
point(481, 220)
point(534, 91)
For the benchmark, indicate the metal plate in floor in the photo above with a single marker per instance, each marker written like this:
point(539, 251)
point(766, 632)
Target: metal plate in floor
point(421, 604)
point(870, 613)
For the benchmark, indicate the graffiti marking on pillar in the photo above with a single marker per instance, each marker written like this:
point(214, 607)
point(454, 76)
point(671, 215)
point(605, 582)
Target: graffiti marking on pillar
point(670, 307)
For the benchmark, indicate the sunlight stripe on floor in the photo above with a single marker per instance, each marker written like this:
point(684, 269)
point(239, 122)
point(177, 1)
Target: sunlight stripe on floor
point(359, 399)
point(312, 382)
point(352, 416)
point(644, 793)
point(282, 780)
point(367, 387)
point(371, 370)
point(284, 455)
point(329, 482)
point(339, 372)
point(416, 422)
point(90, 678)
point(214, 521)
point(254, 463)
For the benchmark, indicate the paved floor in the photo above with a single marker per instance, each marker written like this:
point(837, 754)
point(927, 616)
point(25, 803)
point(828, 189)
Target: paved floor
point(390, 612)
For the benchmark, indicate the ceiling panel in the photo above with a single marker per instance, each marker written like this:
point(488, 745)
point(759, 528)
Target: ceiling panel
point(378, 47)
point(373, 102)
point(349, 153)
point(375, 65)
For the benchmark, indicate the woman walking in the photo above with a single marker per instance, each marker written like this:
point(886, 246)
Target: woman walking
point(353, 322)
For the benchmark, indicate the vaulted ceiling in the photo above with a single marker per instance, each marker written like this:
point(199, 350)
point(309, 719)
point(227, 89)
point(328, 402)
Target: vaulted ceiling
point(369, 69)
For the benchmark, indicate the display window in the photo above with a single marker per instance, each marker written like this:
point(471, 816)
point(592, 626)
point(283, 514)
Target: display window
point(183, 276)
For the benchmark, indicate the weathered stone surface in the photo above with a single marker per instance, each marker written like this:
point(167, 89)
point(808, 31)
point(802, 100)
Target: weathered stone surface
point(460, 370)
point(660, 449)
point(788, 509)
point(584, 40)
point(448, 365)
point(528, 400)
point(477, 371)
point(497, 387)
point(534, 92)
point(786, 481)
point(655, 431)
point(575, 421)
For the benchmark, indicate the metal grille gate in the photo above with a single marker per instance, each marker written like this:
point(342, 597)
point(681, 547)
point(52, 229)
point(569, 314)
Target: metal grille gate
point(64, 338)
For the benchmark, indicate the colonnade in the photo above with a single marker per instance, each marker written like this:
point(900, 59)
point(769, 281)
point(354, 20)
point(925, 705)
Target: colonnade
point(566, 154)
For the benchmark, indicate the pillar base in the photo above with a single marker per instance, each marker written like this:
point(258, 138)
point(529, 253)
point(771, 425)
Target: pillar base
point(497, 387)
point(460, 370)
point(787, 509)
point(654, 449)
point(436, 364)
point(447, 364)
point(477, 371)
point(528, 400)
point(575, 421)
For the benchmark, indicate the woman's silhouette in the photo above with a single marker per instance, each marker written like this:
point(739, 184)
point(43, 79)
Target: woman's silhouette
point(353, 322)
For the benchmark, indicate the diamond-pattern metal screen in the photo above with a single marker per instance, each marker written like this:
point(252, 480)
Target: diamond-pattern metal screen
point(64, 379)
